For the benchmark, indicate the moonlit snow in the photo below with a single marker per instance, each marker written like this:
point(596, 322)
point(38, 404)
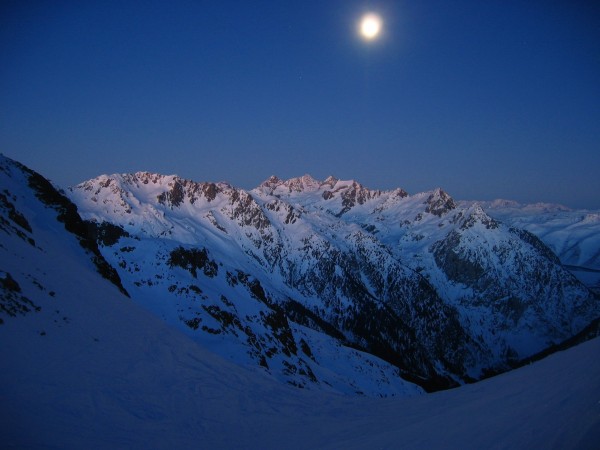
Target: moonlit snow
point(119, 378)
point(92, 369)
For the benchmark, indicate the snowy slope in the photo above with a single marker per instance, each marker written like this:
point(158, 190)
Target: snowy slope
point(574, 235)
point(437, 288)
point(117, 377)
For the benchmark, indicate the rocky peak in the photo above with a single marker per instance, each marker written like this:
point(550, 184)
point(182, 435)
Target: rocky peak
point(305, 183)
point(330, 181)
point(144, 178)
point(276, 186)
point(478, 215)
point(351, 193)
point(439, 203)
point(357, 193)
point(399, 193)
point(180, 189)
point(393, 199)
point(271, 183)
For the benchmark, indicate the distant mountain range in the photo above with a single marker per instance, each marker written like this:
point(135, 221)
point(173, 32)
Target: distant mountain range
point(327, 284)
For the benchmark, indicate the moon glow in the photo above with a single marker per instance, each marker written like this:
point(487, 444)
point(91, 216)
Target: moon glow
point(370, 26)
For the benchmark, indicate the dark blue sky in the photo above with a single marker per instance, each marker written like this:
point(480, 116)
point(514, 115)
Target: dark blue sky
point(485, 99)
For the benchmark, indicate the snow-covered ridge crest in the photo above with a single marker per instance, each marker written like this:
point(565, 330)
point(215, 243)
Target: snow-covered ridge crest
point(305, 183)
point(170, 189)
point(124, 193)
point(140, 202)
point(337, 196)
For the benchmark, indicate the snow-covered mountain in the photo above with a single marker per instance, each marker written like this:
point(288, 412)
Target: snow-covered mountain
point(250, 331)
point(574, 235)
point(84, 366)
point(279, 275)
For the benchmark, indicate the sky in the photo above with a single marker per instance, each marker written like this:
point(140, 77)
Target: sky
point(494, 99)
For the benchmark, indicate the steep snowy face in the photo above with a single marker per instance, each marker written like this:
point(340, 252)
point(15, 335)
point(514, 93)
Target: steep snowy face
point(31, 209)
point(574, 235)
point(437, 288)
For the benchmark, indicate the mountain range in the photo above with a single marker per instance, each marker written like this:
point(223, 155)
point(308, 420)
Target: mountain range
point(323, 285)
point(331, 285)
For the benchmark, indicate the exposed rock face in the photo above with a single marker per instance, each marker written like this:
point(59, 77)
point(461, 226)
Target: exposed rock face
point(443, 292)
point(439, 203)
point(50, 197)
point(12, 300)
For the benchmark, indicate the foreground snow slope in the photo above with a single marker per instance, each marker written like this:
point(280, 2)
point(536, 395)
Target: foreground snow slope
point(116, 377)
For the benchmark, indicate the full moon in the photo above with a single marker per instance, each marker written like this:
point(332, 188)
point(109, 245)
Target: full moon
point(370, 26)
